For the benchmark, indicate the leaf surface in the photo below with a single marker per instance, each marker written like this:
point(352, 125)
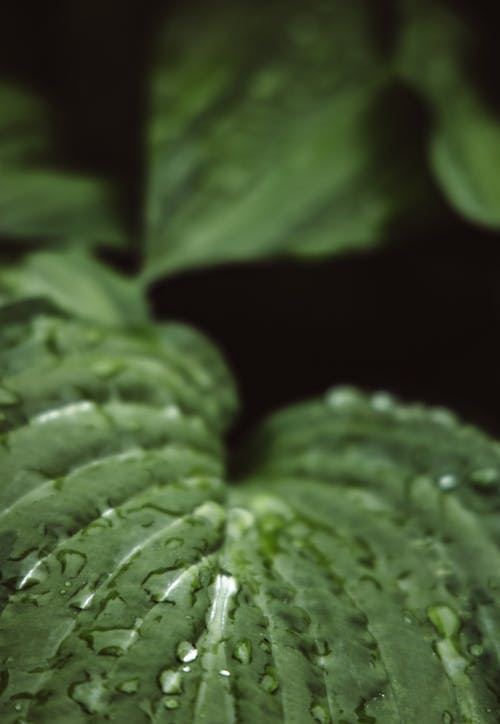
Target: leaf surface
point(262, 137)
point(350, 575)
point(78, 283)
point(39, 201)
point(464, 148)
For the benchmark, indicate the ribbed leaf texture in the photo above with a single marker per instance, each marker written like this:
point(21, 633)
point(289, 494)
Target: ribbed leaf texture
point(351, 575)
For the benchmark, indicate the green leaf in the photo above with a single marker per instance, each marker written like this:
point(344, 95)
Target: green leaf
point(380, 520)
point(351, 576)
point(39, 200)
point(50, 205)
point(465, 144)
point(25, 127)
point(77, 283)
point(261, 138)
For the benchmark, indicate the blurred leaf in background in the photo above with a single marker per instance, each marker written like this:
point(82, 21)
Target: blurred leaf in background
point(39, 200)
point(464, 147)
point(266, 135)
point(77, 282)
point(281, 129)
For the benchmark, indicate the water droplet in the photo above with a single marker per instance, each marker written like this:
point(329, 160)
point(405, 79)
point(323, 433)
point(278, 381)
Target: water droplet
point(269, 681)
point(112, 641)
point(382, 401)
point(17, 706)
point(224, 672)
point(186, 651)
point(447, 482)
point(320, 714)
point(171, 703)
point(171, 682)
point(343, 398)
point(447, 718)
point(187, 669)
point(240, 521)
point(36, 574)
point(129, 687)
point(72, 563)
point(445, 620)
point(213, 512)
point(442, 416)
point(484, 477)
point(89, 694)
point(172, 412)
point(243, 652)
point(476, 650)
point(83, 598)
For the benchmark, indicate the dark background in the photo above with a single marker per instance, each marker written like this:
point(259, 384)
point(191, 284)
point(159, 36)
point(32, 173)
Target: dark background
point(419, 316)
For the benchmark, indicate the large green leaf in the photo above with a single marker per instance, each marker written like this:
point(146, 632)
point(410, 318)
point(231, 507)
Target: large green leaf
point(465, 143)
point(78, 283)
point(263, 139)
point(350, 577)
point(39, 200)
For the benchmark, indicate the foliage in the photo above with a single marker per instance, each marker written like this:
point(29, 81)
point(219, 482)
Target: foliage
point(360, 542)
point(340, 566)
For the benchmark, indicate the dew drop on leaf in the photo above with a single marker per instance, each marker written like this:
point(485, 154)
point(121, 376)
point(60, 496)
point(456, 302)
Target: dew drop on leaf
point(447, 482)
point(320, 714)
point(172, 412)
point(243, 652)
point(129, 687)
point(89, 695)
point(382, 402)
point(269, 681)
point(343, 398)
point(72, 563)
point(171, 682)
point(445, 620)
point(476, 650)
point(83, 598)
point(186, 651)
